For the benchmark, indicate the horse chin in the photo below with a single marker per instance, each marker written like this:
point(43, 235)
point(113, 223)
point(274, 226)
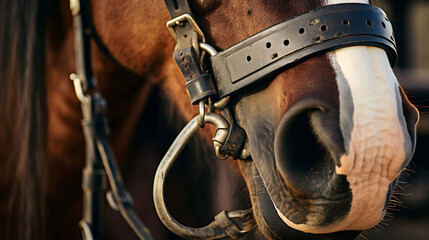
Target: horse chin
point(269, 219)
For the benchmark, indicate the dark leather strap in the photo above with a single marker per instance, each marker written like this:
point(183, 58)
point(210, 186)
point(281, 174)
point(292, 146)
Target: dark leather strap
point(93, 180)
point(99, 157)
point(178, 7)
point(199, 84)
point(93, 177)
point(83, 48)
point(315, 32)
point(90, 31)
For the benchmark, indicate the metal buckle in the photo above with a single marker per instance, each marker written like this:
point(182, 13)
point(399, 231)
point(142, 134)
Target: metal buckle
point(178, 21)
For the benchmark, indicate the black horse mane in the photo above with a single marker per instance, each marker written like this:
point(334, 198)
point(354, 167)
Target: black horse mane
point(23, 116)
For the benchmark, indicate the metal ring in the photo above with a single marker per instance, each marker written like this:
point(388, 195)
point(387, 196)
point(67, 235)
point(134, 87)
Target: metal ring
point(214, 229)
point(202, 113)
point(208, 48)
point(196, 45)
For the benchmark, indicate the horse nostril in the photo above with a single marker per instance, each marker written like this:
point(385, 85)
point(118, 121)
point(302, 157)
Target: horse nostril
point(299, 155)
point(306, 148)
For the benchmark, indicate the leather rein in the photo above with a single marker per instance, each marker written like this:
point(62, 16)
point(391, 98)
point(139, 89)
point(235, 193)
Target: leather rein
point(253, 60)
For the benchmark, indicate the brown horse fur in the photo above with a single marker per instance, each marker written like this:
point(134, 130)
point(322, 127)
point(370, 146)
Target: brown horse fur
point(133, 31)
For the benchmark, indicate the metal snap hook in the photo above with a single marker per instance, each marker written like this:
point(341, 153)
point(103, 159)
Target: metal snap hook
point(221, 134)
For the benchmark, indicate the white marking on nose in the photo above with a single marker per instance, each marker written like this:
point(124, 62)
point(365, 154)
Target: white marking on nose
point(375, 98)
point(377, 145)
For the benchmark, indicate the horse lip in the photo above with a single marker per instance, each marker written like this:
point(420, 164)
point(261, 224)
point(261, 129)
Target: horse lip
point(273, 222)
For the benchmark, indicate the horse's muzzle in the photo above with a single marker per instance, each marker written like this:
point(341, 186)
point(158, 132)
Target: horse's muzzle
point(323, 167)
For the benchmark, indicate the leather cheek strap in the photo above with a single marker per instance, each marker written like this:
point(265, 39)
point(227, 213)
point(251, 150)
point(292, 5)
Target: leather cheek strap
point(198, 83)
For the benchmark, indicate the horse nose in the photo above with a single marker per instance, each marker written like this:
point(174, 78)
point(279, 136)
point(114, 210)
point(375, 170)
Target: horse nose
point(308, 147)
point(310, 144)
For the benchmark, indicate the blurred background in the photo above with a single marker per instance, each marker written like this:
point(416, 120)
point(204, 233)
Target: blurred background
point(411, 211)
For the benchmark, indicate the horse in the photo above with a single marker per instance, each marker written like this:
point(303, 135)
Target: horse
point(326, 137)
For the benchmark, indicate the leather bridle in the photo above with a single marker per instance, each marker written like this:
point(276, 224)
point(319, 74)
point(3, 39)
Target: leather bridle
point(100, 160)
point(269, 52)
point(252, 60)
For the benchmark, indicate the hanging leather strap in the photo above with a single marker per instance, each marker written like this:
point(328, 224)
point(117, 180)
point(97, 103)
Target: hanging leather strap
point(186, 53)
point(99, 156)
